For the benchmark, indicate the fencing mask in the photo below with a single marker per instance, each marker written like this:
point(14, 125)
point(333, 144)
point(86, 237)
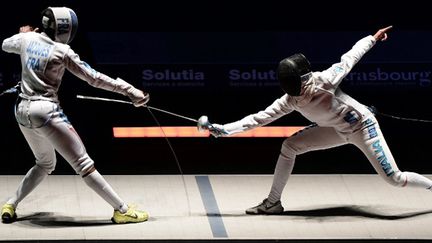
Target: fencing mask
point(292, 71)
point(60, 24)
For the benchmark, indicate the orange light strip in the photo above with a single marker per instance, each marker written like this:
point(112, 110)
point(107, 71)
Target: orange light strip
point(184, 132)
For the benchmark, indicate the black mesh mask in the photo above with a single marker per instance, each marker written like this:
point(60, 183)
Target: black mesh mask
point(291, 72)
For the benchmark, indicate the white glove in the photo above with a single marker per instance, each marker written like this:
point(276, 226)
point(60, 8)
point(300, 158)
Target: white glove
point(138, 97)
point(217, 130)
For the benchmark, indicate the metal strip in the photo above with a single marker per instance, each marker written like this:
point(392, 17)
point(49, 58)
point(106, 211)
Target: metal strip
point(213, 214)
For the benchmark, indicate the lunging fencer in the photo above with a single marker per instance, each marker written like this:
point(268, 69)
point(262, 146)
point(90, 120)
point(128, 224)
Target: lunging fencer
point(44, 58)
point(337, 119)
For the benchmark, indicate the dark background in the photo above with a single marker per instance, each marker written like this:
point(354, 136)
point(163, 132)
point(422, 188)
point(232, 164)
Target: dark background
point(123, 38)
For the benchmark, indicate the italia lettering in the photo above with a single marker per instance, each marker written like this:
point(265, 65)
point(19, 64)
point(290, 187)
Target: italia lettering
point(167, 74)
point(382, 158)
point(235, 74)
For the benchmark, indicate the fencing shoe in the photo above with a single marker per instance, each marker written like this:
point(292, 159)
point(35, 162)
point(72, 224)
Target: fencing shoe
point(8, 214)
point(266, 207)
point(131, 216)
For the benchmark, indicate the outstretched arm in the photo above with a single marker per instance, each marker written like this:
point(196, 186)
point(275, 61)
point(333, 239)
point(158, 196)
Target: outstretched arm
point(99, 80)
point(276, 110)
point(338, 71)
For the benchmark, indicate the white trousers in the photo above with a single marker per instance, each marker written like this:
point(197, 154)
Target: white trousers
point(46, 129)
point(369, 139)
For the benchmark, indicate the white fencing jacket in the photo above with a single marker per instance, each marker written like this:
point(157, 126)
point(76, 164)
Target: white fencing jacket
point(43, 64)
point(322, 102)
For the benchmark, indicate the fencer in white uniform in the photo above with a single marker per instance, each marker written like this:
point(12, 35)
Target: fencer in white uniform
point(44, 58)
point(337, 119)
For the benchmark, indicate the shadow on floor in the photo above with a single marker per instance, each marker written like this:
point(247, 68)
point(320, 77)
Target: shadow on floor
point(46, 219)
point(353, 211)
point(340, 211)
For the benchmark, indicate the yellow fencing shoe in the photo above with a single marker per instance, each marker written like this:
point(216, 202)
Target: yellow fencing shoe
point(8, 214)
point(131, 216)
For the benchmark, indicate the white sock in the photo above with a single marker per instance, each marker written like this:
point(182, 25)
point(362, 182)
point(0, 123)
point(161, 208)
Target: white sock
point(417, 180)
point(95, 181)
point(283, 170)
point(30, 181)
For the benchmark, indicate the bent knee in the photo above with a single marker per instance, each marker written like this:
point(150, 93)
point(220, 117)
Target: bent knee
point(289, 148)
point(83, 165)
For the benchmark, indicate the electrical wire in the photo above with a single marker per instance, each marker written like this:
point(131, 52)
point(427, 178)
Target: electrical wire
point(375, 111)
point(176, 159)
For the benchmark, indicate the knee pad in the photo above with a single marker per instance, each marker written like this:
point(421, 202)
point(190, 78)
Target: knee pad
point(397, 179)
point(83, 165)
